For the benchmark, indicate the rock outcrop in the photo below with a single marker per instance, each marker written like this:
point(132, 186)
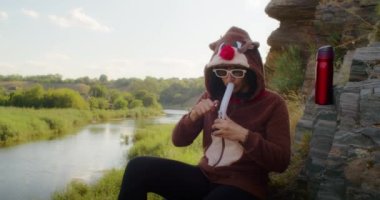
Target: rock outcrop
point(344, 155)
point(310, 24)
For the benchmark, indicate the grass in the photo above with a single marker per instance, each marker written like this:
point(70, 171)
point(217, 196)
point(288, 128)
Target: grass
point(155, 140)
point(151, 140)
point(289, 73)
point(21, 125)
point(283, 186)
point(106, 188)
point(295, 104)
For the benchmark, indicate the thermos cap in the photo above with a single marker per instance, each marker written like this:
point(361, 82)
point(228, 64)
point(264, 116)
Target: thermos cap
point(325, 52)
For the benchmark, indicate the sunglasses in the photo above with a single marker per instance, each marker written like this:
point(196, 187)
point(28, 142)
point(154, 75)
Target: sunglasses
point(223, 73)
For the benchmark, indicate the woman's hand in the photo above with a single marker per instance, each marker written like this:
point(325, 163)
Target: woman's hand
point(202, 107)
point(226, 128)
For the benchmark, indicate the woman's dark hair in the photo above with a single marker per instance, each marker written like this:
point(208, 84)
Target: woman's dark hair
point(251, 79)
point(217, 87)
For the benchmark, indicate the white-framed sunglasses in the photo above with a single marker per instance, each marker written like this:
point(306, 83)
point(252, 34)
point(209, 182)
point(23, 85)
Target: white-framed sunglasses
point(236, 73)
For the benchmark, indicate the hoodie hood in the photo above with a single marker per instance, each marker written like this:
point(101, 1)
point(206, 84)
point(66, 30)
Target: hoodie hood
point(235, 49)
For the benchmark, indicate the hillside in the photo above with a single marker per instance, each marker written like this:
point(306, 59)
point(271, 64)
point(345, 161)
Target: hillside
point(171, 93)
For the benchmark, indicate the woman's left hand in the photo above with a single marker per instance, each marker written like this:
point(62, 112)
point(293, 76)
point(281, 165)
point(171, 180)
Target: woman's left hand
point(226, 128)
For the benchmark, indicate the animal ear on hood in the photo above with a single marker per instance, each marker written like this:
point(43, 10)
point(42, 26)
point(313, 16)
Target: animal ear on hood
point(234, 49)
point(249, 45)
point(213, 45)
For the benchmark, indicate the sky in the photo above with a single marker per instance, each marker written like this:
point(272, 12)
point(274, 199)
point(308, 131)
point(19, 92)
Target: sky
point(122, 38)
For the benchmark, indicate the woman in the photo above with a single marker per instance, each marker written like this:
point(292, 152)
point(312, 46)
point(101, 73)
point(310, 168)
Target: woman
point(239, 150)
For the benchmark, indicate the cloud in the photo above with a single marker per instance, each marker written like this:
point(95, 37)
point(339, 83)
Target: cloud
point(27, 68)
point(6, 67)
point(155, 67)
point(3, 16)
point(57, 56)
point(77, 18)
point(254, 4)
point(37, 63)
point(30, 13)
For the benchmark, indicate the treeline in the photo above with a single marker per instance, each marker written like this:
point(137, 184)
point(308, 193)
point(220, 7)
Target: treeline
point(99, 97)
point(51, 91)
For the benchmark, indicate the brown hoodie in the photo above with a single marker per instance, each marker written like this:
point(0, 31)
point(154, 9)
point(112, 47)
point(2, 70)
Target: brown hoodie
point(263, 112)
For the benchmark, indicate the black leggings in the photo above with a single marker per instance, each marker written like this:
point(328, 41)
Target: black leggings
point(174, 181)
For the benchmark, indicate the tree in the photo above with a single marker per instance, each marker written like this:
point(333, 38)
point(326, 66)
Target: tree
point(135, 103)
point(14, 77)
point(98, 91)
point(32, 97)
point(51, 78)
point(113, 95)
point(149, 99)
point(128, 96)
point(174, 93)
point(85, 80)
point(141, 94)
point(120, 103)
point(3, 97)
point(64, 98)
point(103, 78)
point(98, 103)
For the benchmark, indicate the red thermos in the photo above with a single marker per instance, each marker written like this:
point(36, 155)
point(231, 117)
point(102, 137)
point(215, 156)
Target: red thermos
point(324, 76)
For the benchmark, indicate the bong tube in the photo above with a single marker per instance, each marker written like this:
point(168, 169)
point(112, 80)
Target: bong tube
point(225, 100)
point(219, 144)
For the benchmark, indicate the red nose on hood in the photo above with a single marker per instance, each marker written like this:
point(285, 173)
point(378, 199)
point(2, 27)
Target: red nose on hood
point(227, 52)
point(234, 49)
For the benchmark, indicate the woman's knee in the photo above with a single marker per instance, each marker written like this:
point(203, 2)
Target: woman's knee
point(138, 165)
point(137, 162)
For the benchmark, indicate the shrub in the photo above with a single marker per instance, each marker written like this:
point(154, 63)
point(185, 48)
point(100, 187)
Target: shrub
point(289, 74)
point(64, 98)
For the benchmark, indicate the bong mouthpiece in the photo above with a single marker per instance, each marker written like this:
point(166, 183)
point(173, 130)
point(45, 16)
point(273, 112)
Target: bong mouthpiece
point(225, 100)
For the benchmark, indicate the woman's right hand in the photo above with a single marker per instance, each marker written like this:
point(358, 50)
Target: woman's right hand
point(202, 107)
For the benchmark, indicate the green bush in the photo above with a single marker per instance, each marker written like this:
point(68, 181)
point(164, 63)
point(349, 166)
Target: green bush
point(98, 103)
point(5, 132)
point(135, 103)
point(64, 98)
point(120, 103)
point(57, 124)
point(106, 188)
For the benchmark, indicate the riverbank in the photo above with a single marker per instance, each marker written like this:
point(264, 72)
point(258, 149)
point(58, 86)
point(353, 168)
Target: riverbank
point(152, 140)
point(22, 125)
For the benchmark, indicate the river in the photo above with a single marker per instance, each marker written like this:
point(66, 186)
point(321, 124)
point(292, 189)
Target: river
point(35, 170)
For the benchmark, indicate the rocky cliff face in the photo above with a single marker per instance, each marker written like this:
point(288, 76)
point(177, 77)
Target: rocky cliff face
point(344, 156)
point(309, 24)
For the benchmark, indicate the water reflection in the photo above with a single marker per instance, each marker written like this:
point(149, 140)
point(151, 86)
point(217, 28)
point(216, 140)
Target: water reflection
point(171, 117)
